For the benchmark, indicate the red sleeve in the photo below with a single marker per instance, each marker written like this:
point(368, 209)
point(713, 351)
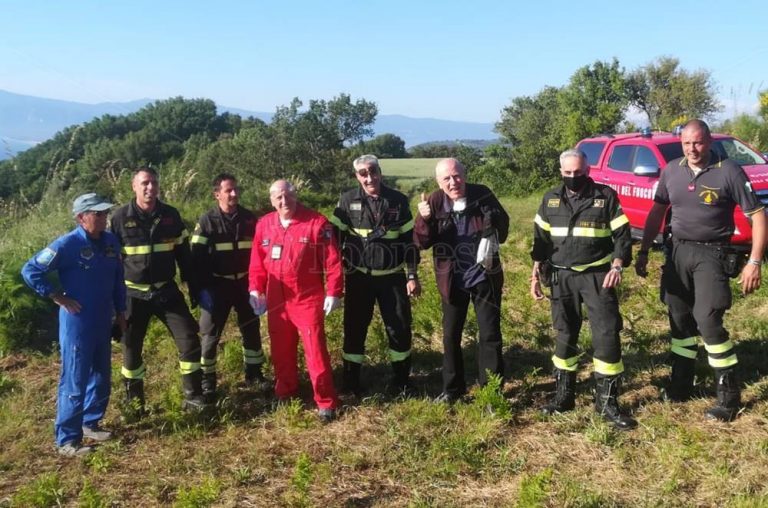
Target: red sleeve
point(334, 273)
point(257, 272)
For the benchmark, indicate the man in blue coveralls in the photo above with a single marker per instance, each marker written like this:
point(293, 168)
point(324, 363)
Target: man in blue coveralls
point(87, 260)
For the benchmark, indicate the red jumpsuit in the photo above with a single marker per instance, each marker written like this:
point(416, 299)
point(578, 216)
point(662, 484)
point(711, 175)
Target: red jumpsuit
point(288, 265)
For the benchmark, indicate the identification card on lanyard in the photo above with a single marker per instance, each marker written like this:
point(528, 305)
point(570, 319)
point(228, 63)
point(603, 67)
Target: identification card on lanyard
point(277, 251)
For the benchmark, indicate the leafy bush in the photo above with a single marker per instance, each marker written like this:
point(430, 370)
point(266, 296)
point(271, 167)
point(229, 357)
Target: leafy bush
point(20, 311)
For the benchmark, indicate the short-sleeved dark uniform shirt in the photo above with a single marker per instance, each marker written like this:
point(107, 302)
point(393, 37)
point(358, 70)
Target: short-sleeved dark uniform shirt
point(703, 203)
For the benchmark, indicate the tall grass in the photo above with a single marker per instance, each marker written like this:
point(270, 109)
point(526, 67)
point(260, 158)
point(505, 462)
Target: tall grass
point(488, 451)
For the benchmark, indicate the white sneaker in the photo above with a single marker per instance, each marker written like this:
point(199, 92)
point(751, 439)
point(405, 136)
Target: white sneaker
point(96, 433)
point(74, 449)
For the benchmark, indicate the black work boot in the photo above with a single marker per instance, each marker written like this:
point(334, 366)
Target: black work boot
point(351, 380)
point(192, 386)
point(209, 387)
point(680, 387)
point(606, 402)
point(728, 396)
point(255, 378)
point(401, 378)
point(565, 393)
point(134, 396)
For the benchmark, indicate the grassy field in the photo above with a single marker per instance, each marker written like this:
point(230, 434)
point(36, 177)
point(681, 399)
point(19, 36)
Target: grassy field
point(407, 173)
point(412, 452)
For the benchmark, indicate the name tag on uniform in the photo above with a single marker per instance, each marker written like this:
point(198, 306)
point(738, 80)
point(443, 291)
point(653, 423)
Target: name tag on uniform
point(277, 251)
point(599, 203)
point(355, 207)
point(553, 203)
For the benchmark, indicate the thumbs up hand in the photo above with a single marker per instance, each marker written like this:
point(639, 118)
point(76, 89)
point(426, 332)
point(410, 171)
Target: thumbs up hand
point(424, 209)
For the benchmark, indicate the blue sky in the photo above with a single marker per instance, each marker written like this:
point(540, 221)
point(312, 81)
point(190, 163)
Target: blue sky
point(451, 60)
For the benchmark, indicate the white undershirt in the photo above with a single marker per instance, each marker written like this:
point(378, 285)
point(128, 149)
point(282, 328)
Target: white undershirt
point(459, 205)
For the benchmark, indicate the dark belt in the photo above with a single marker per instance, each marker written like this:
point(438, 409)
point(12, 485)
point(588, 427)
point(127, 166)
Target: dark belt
point(715, 243)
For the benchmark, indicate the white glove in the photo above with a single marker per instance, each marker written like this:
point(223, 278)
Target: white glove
point(331, 303)
point(486, 249)
point(258, 303)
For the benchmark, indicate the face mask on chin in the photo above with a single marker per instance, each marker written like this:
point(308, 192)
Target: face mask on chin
point(574, 183)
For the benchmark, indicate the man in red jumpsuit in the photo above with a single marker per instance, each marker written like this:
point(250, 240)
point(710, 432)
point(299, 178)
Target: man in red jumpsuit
point(292, 248)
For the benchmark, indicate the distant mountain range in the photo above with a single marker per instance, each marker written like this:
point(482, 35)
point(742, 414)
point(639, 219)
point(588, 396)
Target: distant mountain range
point(26, 121)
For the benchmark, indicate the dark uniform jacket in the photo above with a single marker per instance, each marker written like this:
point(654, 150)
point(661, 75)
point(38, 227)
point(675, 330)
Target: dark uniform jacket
point(152, 245)
point(703, 203)
point(581, 232)
point(221, 246)
point(485, 216)
point(380, 241)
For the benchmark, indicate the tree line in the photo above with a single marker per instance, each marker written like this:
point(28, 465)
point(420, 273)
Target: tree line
point(188, 141)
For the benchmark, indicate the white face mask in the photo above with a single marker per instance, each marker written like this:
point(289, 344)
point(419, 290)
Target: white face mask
point(459, 205)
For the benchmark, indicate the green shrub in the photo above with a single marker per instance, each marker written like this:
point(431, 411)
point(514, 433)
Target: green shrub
point(20, 311)
point(44, 491)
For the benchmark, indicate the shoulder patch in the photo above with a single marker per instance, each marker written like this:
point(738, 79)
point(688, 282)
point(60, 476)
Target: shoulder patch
point(599, 203)
point(45, 257)
point(748, 185)
point(553, 203)
point(328, 232)
point(198, 228)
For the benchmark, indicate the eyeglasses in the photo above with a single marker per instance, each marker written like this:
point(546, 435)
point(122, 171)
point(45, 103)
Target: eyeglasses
point(363, 173)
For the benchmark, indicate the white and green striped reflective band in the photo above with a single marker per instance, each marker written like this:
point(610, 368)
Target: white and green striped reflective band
point(208, 366)
point(570, 364)
point(680, 347)
point(353, 358)
point(133, 374)
point(721, 363)
point(608, 369)
point(398, 356)
point(253, 356)
point(188, 367)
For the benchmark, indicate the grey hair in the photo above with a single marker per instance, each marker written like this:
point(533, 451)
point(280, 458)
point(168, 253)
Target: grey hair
point(366, 159)
point(276, 185)
point(573, 152)
point(459, 166)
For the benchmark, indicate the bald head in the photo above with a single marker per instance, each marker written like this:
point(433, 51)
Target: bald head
point(282, 195)
point(451, 177)
point(697, 125)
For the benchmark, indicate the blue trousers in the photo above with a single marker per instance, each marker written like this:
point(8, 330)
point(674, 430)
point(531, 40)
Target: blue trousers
point(84, 385)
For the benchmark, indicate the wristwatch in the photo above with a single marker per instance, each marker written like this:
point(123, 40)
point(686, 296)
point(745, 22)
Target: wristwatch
point(755, 262)
point(617, 268)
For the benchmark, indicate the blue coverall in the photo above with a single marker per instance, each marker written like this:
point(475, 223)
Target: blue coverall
point(91, 272)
